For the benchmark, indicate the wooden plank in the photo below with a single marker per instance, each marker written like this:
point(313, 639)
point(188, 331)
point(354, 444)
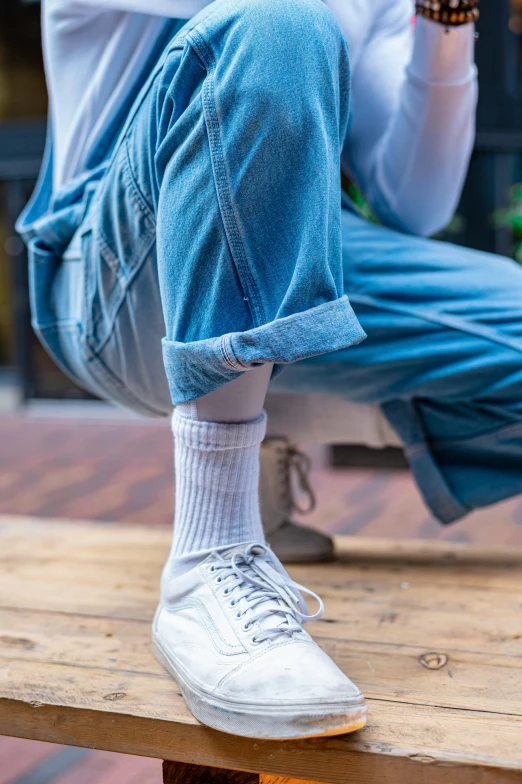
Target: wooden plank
point(85, 541)
point(396, 727)
point(56, 549)
point(361, 579)
point(383, 670)
point(341, 760)
point(471, 618)
point(468, 620)
point(76, 664)
point(103, 543)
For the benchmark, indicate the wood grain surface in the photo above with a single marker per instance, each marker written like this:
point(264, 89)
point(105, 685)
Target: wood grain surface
point(432, 632)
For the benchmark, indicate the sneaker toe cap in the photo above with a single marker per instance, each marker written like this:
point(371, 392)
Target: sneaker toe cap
point(294, 673)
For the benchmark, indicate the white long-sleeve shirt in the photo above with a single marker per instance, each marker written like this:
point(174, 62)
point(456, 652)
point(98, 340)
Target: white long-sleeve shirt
point(414, 91)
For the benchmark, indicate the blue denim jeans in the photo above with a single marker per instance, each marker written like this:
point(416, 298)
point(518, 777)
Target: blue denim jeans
point(216, 223)
point(212, 239)
point(443, 359)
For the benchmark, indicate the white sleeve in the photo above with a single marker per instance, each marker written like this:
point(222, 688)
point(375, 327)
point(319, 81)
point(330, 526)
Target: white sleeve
point(174, 9)
point(414, 99)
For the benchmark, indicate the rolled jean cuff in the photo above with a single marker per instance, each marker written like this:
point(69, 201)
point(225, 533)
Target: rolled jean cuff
point(428, 475)
point(199, 367)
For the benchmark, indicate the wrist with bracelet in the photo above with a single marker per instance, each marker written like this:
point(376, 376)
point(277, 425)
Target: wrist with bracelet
point(450, 13)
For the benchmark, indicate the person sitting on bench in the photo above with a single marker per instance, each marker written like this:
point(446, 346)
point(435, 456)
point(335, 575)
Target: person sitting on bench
point(188, 238)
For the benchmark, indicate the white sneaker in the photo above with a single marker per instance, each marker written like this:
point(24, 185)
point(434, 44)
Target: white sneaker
point(230, 632)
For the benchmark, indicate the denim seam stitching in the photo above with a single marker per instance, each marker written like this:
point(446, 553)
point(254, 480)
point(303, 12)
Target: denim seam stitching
point(109, 257)
point(181, 38)
point(492, 435)
point(111, 378)
point(450, 322)
point(228, 355)
point(122, 283)
point(221, 180)
point(126, 274)
point(116, 304)
point(141, 200)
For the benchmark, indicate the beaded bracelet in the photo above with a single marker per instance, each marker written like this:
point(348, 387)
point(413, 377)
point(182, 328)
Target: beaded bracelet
point(451, 13)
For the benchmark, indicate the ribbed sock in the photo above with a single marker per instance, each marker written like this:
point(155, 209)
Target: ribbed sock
point(217, 493)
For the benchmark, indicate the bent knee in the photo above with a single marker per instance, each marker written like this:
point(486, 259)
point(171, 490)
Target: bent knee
point(290, 15)
point(297, 21)
point(293, 23)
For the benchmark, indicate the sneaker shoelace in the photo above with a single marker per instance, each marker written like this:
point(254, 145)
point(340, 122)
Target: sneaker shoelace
point(265, 591)
point(297, 463)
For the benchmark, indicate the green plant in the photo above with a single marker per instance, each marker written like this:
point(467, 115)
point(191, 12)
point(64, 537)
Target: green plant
point(456, 226)
point(511, 218)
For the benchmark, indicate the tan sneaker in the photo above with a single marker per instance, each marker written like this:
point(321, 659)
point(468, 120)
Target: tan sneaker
point(292, 543)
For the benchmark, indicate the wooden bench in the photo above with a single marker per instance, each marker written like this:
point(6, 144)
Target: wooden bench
point(431, 632)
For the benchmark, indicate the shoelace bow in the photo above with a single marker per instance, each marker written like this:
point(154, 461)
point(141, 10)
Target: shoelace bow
point(255, 581)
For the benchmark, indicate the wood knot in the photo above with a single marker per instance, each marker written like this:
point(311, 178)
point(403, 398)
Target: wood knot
point(115, 695)
point(17, 642)
point(425, 758)
point(433, 661)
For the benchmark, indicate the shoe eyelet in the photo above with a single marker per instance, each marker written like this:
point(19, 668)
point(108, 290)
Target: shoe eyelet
point(255, 641)
point(212, 569)
point(238, 615)
point(246, 626)
point(226, 592)
point(219, 580)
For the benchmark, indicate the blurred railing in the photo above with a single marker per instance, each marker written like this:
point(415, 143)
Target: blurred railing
point(21, 149)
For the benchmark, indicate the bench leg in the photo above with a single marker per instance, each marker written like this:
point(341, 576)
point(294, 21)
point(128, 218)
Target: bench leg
point(181, 773)
point(283, 780)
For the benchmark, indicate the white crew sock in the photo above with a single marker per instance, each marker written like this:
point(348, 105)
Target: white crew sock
point(217, 479)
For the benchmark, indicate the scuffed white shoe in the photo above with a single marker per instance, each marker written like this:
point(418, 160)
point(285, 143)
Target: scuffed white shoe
point(230, 632)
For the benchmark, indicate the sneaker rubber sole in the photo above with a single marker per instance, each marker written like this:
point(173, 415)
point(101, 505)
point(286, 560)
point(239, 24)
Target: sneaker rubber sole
point(251, 721)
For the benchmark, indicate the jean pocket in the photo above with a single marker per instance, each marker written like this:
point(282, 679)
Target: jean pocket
point(54, 331)
point(43, 266)
point(124, 221)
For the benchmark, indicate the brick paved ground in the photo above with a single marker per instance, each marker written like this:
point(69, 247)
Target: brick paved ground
point(121, 470)
point(32, 762)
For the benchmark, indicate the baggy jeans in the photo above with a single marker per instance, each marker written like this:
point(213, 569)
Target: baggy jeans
point(212, 239)
point(217, 222)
